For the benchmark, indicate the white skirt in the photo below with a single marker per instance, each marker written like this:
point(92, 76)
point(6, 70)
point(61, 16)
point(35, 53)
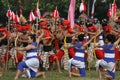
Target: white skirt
point(109, 66)
point(33, 64)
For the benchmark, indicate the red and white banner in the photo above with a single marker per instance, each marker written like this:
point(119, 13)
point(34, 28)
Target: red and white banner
point(55, 14)
point(31, 17)
point(9, 13)
point(71, 13)
point(37, 11)
point(17, 19)
point(113, 9)
point(109, 12)
point(82, 7)
point(12, 16)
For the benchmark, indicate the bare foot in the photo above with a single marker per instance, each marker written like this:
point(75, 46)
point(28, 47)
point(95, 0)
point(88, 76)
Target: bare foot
point(44, 75)
point(108, 77)
point(16, 78)
point(60, 71)
point(24, 76)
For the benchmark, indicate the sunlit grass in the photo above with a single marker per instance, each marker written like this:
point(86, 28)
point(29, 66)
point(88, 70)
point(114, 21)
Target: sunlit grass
point(54, 75)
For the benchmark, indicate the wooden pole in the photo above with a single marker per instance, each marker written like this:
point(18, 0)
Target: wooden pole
point(37, 24)
point(66, 57)
point(82, 0)
point(7, 52)
point(88, 9)
point(114, 1)
point(20, 6)
point(15, 53)
point(55, 21)
point(37, 17)
point(116, 10)
point(8, 26)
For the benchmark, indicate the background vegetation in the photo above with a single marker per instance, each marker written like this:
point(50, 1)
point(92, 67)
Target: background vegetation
point(101, 7)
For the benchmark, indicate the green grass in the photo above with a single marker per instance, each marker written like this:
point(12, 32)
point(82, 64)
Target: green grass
point(54, 75)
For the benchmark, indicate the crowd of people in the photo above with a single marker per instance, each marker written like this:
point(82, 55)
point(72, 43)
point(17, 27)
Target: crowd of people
point(36, 47)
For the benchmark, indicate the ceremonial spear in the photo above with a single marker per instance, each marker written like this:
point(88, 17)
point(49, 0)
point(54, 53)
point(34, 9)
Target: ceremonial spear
point(37, 14)
point(8, 44)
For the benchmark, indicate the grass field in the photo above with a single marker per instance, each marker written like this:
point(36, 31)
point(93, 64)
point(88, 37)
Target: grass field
point(54, 75)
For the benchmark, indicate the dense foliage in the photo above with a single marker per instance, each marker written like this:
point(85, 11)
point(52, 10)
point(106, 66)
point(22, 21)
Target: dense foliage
point(49, 6)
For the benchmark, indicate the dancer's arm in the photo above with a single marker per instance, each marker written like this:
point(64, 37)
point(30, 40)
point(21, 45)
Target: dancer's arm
point(4, 35)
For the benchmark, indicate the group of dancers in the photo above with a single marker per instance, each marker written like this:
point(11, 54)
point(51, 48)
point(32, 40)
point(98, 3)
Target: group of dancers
point(38, 48)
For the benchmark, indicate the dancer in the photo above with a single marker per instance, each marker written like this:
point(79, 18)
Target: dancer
point(108, 62)
point(78, 61)
point(31, 62)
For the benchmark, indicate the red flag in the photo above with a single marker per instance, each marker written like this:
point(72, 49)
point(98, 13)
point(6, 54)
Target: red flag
point(109, 13)
point(12, 16)
point(71, 12)
point(55, 14)
point(82, 7)
point(114, 9)
point(17, 19)
point(31, 17)
point(9, 13)
point(37, 11)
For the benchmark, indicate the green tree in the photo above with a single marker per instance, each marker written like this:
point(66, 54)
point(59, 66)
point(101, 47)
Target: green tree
point(49, 6)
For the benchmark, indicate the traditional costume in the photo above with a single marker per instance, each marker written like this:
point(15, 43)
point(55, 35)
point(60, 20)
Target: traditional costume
point(109, 60)
point(31, 62)
point(78, 60)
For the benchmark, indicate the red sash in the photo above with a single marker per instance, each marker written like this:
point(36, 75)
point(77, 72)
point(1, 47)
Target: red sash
point(71, 52)
point(99, 53)
point(117, 54)
point(19, 57)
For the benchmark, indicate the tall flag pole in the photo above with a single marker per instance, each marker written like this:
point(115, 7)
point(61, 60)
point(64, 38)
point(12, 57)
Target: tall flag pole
point(31, 17)
point(93, 9)
point(9, 13)
point(37, 14)
point(82, 7)
point(20, 6)
point(17, 19)
point(109, 11)
point(113, 10)
point(88, 7)
point(56, 16)
point(71, 12)
point(22, 18)
point(82, 10)
point(37, 11)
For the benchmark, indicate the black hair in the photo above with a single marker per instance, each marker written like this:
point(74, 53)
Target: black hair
point(111, 38)
point(68, 39)
point(104, 22)
point(88, 24)
point(81, 37)
point(33, 36)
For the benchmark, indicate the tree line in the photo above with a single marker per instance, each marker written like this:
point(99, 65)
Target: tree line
point(101, 7)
